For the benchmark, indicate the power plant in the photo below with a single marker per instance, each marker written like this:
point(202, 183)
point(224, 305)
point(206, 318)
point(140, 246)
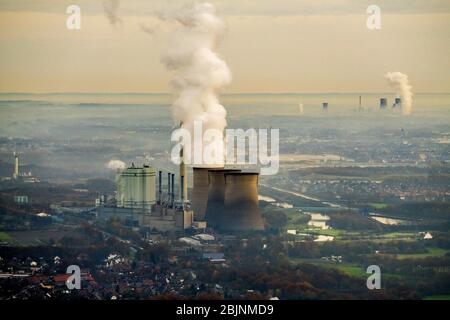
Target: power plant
point(226, 199)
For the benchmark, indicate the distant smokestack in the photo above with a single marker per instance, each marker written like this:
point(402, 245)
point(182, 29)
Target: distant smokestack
point(325, 106)
point(216, 197)
point(159, 187)
point(183, 179)
point(360, 103)
point(173, 190)
point(241, 203)
point(169, 200)
point(383, 103)
point(16, 166)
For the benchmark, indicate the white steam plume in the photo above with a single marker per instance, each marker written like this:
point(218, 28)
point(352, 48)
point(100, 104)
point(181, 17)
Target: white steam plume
point(300, 108)
point(116, 164)
point(111, 8)
point(198, 70)
point(400, 83)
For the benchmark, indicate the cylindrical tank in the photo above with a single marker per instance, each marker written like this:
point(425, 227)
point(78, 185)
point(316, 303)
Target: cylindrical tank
point(200, 191)
point(241, 210)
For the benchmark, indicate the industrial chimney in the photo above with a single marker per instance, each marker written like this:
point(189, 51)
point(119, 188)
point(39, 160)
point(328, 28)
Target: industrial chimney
point(16, 166)
point(200, 191)
point(241, 210)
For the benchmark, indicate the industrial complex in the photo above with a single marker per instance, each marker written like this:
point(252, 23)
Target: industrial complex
point(223, 199)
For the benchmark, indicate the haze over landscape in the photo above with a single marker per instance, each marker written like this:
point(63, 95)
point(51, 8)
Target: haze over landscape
point(86, 176)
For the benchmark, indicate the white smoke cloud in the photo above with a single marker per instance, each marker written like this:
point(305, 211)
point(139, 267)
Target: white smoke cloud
point(400, 83)
point(198, 71)
point(111, 8)
point(300, 108)
point(116, 164)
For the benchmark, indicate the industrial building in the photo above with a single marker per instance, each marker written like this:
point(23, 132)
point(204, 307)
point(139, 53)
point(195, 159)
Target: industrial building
point(136, 188)
point(136, 203)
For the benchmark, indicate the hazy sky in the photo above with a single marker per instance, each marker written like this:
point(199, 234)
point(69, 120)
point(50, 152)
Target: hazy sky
point(269, 45)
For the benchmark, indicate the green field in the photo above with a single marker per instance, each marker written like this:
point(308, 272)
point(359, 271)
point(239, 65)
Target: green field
point(438, 297)
point(4, 237)
point(432, 252)
point(378, 205)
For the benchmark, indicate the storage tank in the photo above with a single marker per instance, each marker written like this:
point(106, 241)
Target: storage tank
point(200, 191)
point(241, 210)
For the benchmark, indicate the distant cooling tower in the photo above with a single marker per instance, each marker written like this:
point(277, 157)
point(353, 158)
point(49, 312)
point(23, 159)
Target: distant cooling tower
point(397, 102)
point(241, 210)
point(325, 106)
point(216, 197)
point(383, 103)
point(200, 192)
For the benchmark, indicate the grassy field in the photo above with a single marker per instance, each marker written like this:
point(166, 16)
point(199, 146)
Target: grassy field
point(438, 297)
point(4, 237)
point(378, 205)
point(432, 252)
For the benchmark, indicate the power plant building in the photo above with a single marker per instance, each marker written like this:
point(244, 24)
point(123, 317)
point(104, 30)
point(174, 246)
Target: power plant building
point(136, 188)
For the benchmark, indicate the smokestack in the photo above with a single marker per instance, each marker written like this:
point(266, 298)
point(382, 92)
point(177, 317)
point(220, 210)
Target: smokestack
point(16, 166)
point(183, 179)
point(241, 203)
point(200, 191)
point(169, 200)
point(159, 187)
point(216, 197)
point(325, 106)
point(383, 103)
point(360, 103)
point(173, 190)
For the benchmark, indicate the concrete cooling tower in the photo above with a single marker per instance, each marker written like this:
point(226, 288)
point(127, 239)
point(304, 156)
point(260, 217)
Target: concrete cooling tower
point(200, 192)
point(216, 196)
point(241, 210)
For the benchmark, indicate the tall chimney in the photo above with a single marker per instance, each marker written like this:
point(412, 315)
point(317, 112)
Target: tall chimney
point(16, 166)
point(168, 188)
point(173, 190)
point(159, 186)
point(183, 178)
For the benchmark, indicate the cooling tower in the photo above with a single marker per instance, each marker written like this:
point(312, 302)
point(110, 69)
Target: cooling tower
point(216, 196)
point(200, 192)
point(241, 210)
point(383, 103)
point(325, 106)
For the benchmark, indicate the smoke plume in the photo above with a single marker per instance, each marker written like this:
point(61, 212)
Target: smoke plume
point(300, 108)
point(400, 83)
point(116, 164)
point(111, 8)
point(198, 71)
